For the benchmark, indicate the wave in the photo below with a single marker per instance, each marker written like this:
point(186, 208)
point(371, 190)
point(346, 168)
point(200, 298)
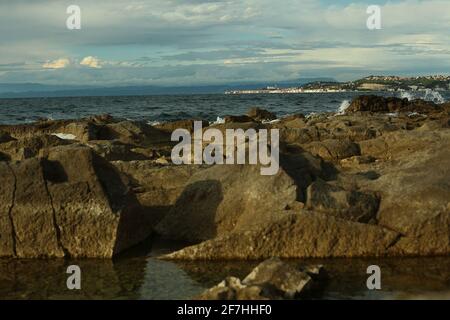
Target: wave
point(219, 120)
point(427, 95)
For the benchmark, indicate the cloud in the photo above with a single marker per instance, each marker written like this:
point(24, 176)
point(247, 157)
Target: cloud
point(57, 64)
point(91, 62)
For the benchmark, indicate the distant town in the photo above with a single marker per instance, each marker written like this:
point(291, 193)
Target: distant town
point(371, 83)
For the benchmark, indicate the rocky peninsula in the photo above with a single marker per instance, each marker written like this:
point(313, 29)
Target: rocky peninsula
point(371, 181)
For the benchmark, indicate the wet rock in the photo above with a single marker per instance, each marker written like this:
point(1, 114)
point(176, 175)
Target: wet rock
point(271, 279)
point(279, 279)
point(232, 289)
point(376, 104)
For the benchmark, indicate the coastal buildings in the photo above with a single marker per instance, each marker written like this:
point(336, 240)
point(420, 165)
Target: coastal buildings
point(370, 83)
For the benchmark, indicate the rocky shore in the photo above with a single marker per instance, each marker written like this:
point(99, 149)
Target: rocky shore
point(371, 181)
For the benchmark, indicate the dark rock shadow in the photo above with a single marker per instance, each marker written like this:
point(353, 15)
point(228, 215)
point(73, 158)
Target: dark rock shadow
point(192, 217)
point(304, 169)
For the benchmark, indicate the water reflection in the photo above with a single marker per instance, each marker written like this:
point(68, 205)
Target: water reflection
point(146, 277)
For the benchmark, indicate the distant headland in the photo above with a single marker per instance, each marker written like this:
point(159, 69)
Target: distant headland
point(370, 83)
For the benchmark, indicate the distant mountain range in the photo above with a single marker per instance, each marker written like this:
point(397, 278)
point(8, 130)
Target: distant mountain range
point(28, 90)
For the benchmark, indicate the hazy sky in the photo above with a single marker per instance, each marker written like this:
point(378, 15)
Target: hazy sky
point(175, 42)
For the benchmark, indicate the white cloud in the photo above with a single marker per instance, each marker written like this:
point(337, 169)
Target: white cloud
point(57, 64)
point(91, 62)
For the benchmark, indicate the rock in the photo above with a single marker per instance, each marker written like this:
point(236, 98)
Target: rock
point(222, 198)
point(334, 200)
point(356, 160)
point(83, 131)
point(134, 133)
point(180, 124)
point(260, 114)
point(300, 135)
point(415, 191)
point(279, 279)
point(73, 204)
point(374, 103)
point(30, 147)
point(333, 149)
point(271, 279)
point(5, 137)
point(232, 289)
point(103, 119)
point(238, 119)
point(113, 150)
point(157, 187)
point(296, 236)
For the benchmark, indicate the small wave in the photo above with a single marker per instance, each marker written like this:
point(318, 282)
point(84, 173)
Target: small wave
point(343, 107)
point(219, 120)
point(153, 123)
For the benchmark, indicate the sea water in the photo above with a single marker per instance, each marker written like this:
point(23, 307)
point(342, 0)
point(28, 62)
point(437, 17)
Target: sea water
point(158, 108)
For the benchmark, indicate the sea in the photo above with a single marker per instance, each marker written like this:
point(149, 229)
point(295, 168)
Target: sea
point(160, 108)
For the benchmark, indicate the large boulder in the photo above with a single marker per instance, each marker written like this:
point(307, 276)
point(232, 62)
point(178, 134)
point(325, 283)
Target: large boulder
point(71, 204)
point(414, 189)
point(222, 198)
point(226, 197)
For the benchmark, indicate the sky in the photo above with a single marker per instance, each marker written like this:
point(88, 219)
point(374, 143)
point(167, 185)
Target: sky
point(201, 42)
